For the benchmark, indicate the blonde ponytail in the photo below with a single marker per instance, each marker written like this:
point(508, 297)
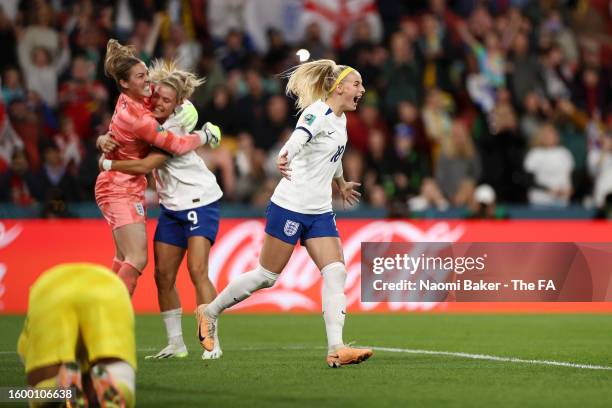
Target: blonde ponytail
point(167, 73)
point(312, 81)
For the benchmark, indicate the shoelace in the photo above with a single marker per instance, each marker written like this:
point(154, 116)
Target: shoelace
point(211, 328)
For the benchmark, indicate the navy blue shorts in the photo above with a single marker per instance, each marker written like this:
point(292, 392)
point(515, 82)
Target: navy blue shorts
point(289, 226)
point(176, 227)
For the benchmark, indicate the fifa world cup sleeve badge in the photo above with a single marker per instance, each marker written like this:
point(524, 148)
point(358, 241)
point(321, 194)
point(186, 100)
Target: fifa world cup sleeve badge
point(309, 119)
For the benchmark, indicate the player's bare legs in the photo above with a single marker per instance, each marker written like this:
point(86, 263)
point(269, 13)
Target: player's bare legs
point(275, 255)
point(326, 252)
point(197, 264)
point(168, 258)
point(131, 240)
point(119, 258)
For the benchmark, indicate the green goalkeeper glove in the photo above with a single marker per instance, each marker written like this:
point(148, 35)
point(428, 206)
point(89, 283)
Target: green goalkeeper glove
point(213, 133)
point(187, 116)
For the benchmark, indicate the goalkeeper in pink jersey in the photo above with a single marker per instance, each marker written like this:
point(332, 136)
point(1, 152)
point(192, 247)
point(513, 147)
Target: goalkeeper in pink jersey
point(120, 196)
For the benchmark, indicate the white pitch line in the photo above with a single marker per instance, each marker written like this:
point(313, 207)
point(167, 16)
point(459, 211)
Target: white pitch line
point(492, 358)
point(419, 351)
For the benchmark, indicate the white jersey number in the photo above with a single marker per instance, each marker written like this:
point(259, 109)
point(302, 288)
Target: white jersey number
point(193, 217)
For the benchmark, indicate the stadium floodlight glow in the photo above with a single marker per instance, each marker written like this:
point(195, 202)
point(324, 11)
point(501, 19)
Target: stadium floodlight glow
point(303, 54)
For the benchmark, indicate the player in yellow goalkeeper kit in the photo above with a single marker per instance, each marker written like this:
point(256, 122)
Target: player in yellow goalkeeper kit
point(80, 320)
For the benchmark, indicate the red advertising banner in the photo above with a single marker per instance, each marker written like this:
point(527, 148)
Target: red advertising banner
point(28, 247)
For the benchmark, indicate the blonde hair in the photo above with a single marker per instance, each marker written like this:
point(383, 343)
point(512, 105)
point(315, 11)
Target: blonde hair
point(452, 149)
point(312, 81)
point(119, 60)
point(167, 73)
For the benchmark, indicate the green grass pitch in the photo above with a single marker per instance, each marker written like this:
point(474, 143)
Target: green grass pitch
point(279, 361)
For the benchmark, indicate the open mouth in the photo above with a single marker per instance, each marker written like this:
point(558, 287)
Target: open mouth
point(356, 99)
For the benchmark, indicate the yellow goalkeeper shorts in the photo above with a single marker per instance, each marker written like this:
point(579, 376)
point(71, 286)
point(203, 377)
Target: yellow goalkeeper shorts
point(77, 312)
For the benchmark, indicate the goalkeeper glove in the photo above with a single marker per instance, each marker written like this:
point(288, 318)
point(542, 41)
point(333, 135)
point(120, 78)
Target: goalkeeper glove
point(213, 134)
point(187, 116)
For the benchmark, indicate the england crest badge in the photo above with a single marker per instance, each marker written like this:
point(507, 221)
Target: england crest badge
point(291, 227)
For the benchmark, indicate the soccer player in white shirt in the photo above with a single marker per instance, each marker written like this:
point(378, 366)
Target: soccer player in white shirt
point(189, 199)
point(301, 206)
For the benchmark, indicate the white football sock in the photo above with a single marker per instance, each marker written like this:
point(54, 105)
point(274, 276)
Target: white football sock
point(174, 331)
point(334, 303)
point(241, 288)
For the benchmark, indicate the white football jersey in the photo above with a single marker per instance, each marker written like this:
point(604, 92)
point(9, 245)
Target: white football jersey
point(312, 170)
point(184, 182)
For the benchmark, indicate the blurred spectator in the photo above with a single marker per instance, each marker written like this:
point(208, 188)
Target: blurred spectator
point(276, 58)
point(551, 166)
point(145, 37)
point(458, 168)
point(39, 33)
point(250, 164)
point(491, 69)
point(42, 69)
point(556, 74)
point(276, 120)
point(69, 144)
point(524, 67)
point(408, 114)
point(234, 54)
point(484, 204)
point(379, 169)
point(536, 110)
point(19, 185)
point(181, 48)
point(371, 118)
point(250, 109)
point(9, 140)
point(437, 118)
point(12, 86)
point(554, 31)
point(81, 96)
point(221, 111)
point(209, 68)
point(600, 168)
point(412, 173)
point(503, 116)
point(592, 93)
point(434, 44)
point(225, 16)
point(57, 182)
point(8, 41)
point(362, 42)
point(28, 126)
point(313, 43)
point(402, 74)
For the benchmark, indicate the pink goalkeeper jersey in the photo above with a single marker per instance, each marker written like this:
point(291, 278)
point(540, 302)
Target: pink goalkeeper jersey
point(135, 129)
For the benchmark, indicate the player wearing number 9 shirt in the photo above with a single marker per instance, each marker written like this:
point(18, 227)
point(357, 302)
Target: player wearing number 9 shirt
point(189, 199)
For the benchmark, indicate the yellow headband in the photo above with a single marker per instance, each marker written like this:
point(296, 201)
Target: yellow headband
point(342, 75)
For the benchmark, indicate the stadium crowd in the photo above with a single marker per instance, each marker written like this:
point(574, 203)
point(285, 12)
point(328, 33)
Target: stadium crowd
point(468, 103)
